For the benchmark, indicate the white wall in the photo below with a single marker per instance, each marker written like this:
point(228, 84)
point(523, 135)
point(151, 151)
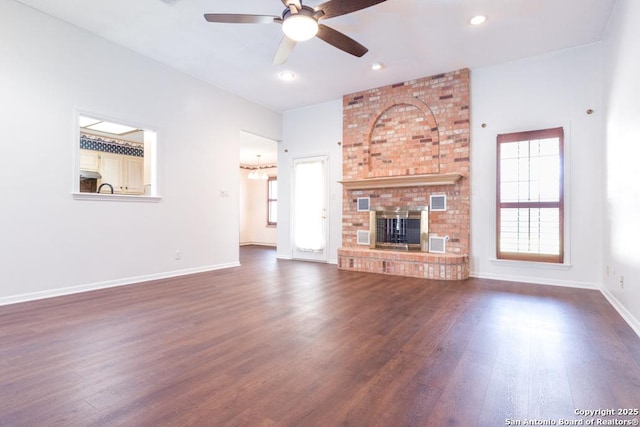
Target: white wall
point(51, 243)
point(307, 132)
point(253, 210)
point(536, 93)
point(622, 195)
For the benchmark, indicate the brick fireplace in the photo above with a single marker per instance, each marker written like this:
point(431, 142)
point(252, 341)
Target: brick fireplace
point(401, 144)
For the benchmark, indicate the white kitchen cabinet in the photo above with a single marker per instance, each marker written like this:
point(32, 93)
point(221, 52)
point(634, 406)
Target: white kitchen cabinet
point(124, 173)
point(89, 160)
point(134, 172)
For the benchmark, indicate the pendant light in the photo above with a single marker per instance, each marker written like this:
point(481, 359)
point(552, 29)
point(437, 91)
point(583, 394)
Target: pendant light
point(256, 174)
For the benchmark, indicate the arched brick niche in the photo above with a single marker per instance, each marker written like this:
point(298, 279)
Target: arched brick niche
point(404, 140)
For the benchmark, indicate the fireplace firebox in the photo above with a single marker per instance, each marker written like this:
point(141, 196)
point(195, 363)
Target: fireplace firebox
point(399, 228)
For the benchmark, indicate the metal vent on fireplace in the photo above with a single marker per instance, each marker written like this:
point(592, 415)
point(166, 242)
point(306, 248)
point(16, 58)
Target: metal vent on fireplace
point(438, 202)
point(437, 244)
point(362, 237)
point(363, 204)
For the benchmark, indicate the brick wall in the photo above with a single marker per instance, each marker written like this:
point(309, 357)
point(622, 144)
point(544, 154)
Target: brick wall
point(416, 127)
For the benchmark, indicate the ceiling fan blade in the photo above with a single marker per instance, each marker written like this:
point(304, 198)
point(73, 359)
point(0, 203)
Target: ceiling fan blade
point(233, 18)
point(296, 3)
point(341, 41)
point(284, 50)
point(334, 8)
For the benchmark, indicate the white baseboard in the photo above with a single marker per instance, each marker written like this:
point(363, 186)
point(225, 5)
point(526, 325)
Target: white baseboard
point(289, 258)
point(622, 310)
point(271, 245)
point(14, 299)
point(537, 280)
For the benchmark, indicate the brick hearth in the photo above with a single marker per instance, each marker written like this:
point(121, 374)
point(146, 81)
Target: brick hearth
point(415, 128)
point(412, 264)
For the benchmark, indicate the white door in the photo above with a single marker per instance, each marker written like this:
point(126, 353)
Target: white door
point(309, 216)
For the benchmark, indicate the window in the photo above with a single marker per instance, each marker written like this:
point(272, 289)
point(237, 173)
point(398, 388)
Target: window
point(530, 199)
point(115, 161)
point(272, 201)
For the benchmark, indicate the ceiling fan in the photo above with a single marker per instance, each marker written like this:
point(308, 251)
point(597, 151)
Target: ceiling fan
point(300, 23)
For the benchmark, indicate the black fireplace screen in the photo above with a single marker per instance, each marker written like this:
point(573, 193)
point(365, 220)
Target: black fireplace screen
point(398, 230)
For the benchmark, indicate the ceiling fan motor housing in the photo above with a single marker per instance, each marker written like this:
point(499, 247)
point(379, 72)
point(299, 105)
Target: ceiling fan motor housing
point(301, 25)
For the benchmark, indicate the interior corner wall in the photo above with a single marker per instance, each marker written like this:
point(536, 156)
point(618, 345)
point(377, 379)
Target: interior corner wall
point(622, 193)
point(52, 244)
point(308, 132)
point(536, 93)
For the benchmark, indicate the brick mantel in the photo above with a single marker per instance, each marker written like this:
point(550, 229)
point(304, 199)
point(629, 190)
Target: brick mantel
point(401, 144)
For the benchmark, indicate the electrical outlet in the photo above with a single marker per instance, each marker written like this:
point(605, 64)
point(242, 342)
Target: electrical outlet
point(622, 282)
point(178, 255)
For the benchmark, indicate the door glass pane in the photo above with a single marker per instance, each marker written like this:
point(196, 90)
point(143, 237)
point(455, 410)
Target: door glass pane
point(309, 206)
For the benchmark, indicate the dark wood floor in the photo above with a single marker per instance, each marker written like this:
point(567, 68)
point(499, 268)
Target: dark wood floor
point(303, 344)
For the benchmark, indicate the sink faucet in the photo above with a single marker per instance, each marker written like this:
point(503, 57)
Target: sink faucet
point(103, 184)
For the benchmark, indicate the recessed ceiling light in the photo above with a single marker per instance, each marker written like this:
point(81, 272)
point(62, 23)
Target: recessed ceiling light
point(478, 19)
point(287, 76)
point(376, 66)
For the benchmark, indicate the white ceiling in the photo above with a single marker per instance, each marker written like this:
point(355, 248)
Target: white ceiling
point(412, 38)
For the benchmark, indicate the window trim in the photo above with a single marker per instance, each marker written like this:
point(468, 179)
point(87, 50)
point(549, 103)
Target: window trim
point(557, 132)
point(151, 161)
point(270, 200)
point(116, 197)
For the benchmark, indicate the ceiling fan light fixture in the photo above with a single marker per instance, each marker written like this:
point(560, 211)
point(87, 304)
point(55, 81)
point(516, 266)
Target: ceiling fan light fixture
point(300, 27)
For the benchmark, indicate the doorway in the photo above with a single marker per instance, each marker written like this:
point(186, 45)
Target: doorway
point(258, 190)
